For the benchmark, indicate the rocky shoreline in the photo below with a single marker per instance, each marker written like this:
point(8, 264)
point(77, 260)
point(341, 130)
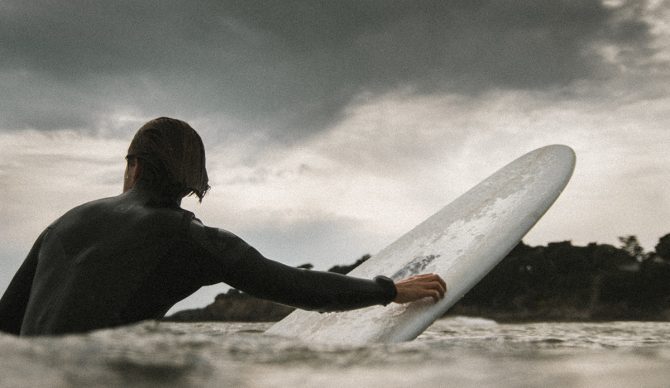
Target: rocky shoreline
point(234, 306)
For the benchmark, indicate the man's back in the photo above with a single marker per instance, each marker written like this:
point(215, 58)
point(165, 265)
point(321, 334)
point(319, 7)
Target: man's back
point(95, 259)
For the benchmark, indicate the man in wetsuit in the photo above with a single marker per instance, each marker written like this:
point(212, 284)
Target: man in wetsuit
point(131, 257)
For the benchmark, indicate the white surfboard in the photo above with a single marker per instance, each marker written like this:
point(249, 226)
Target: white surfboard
point(462, 243)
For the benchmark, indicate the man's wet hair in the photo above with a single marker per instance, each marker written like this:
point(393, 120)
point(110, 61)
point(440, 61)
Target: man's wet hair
point(172, 156)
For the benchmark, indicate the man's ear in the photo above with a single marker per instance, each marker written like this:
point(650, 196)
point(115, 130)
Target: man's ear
point(137, 171)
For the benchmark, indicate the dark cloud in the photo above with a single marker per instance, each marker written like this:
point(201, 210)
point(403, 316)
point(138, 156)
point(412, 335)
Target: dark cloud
point(288, 67)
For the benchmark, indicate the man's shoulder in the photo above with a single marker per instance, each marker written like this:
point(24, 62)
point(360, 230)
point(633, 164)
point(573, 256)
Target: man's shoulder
point(95, 204)
point(216, 240)
point(81, 210)
point(122, 209)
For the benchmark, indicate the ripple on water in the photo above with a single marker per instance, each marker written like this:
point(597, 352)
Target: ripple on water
point(459, 351)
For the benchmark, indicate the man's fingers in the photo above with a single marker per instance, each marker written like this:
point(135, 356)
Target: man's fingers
point(425, 276)
point(439, 290)
point(434, 290)
point(440, 286)
point(436, 282)
point(443, 283)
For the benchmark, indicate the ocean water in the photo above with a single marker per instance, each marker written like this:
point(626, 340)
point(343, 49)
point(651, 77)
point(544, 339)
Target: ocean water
point(453, 352)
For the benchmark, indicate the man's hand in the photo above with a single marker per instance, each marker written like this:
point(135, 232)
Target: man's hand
point(419, 287)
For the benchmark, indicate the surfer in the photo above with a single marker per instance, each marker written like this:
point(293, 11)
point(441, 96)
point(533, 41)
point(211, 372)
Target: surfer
point(131, 257)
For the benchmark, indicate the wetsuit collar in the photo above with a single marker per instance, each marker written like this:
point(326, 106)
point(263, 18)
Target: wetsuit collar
point(146, 195)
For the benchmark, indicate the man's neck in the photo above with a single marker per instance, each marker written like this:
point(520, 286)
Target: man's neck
point(152, 197)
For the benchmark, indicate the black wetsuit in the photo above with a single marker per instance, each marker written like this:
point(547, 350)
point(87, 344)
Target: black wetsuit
point(128, 258)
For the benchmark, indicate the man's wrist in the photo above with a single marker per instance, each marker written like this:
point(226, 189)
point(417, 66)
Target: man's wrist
point(389, 285)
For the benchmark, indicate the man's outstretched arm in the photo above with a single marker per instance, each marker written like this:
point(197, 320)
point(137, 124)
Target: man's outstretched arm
point(327, 291)
point(243, 267)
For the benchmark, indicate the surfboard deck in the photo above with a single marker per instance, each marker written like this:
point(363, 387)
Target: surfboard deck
point(462, 243)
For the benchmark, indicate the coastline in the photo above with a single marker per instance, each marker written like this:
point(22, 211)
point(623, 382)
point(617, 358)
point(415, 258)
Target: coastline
point(236, 306)
point(559, 282)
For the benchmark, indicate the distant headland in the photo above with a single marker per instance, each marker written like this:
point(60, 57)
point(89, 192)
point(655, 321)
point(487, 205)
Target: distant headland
point(556, 282)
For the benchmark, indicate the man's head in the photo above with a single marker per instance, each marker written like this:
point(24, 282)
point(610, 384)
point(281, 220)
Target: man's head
point(167, 155)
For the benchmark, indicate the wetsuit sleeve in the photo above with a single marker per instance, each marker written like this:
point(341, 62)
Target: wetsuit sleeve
point(15, 299)
point(239, 265)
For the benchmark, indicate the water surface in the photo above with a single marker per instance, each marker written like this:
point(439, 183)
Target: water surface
point(464, 352)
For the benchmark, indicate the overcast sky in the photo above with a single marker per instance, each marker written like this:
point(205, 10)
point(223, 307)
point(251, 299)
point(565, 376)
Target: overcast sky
point(333, 127)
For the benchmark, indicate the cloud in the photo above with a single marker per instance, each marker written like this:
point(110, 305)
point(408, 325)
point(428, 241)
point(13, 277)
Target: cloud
point(334, 127)
point(396, 159)
point(289, 68)
point(45, 174)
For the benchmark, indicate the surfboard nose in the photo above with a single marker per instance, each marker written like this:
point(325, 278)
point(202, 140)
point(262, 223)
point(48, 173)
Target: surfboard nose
point(564, 152)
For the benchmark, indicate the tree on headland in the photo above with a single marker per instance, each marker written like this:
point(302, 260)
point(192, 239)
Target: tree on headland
point(631, 245)
point(662, 249)
point(345, 269)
